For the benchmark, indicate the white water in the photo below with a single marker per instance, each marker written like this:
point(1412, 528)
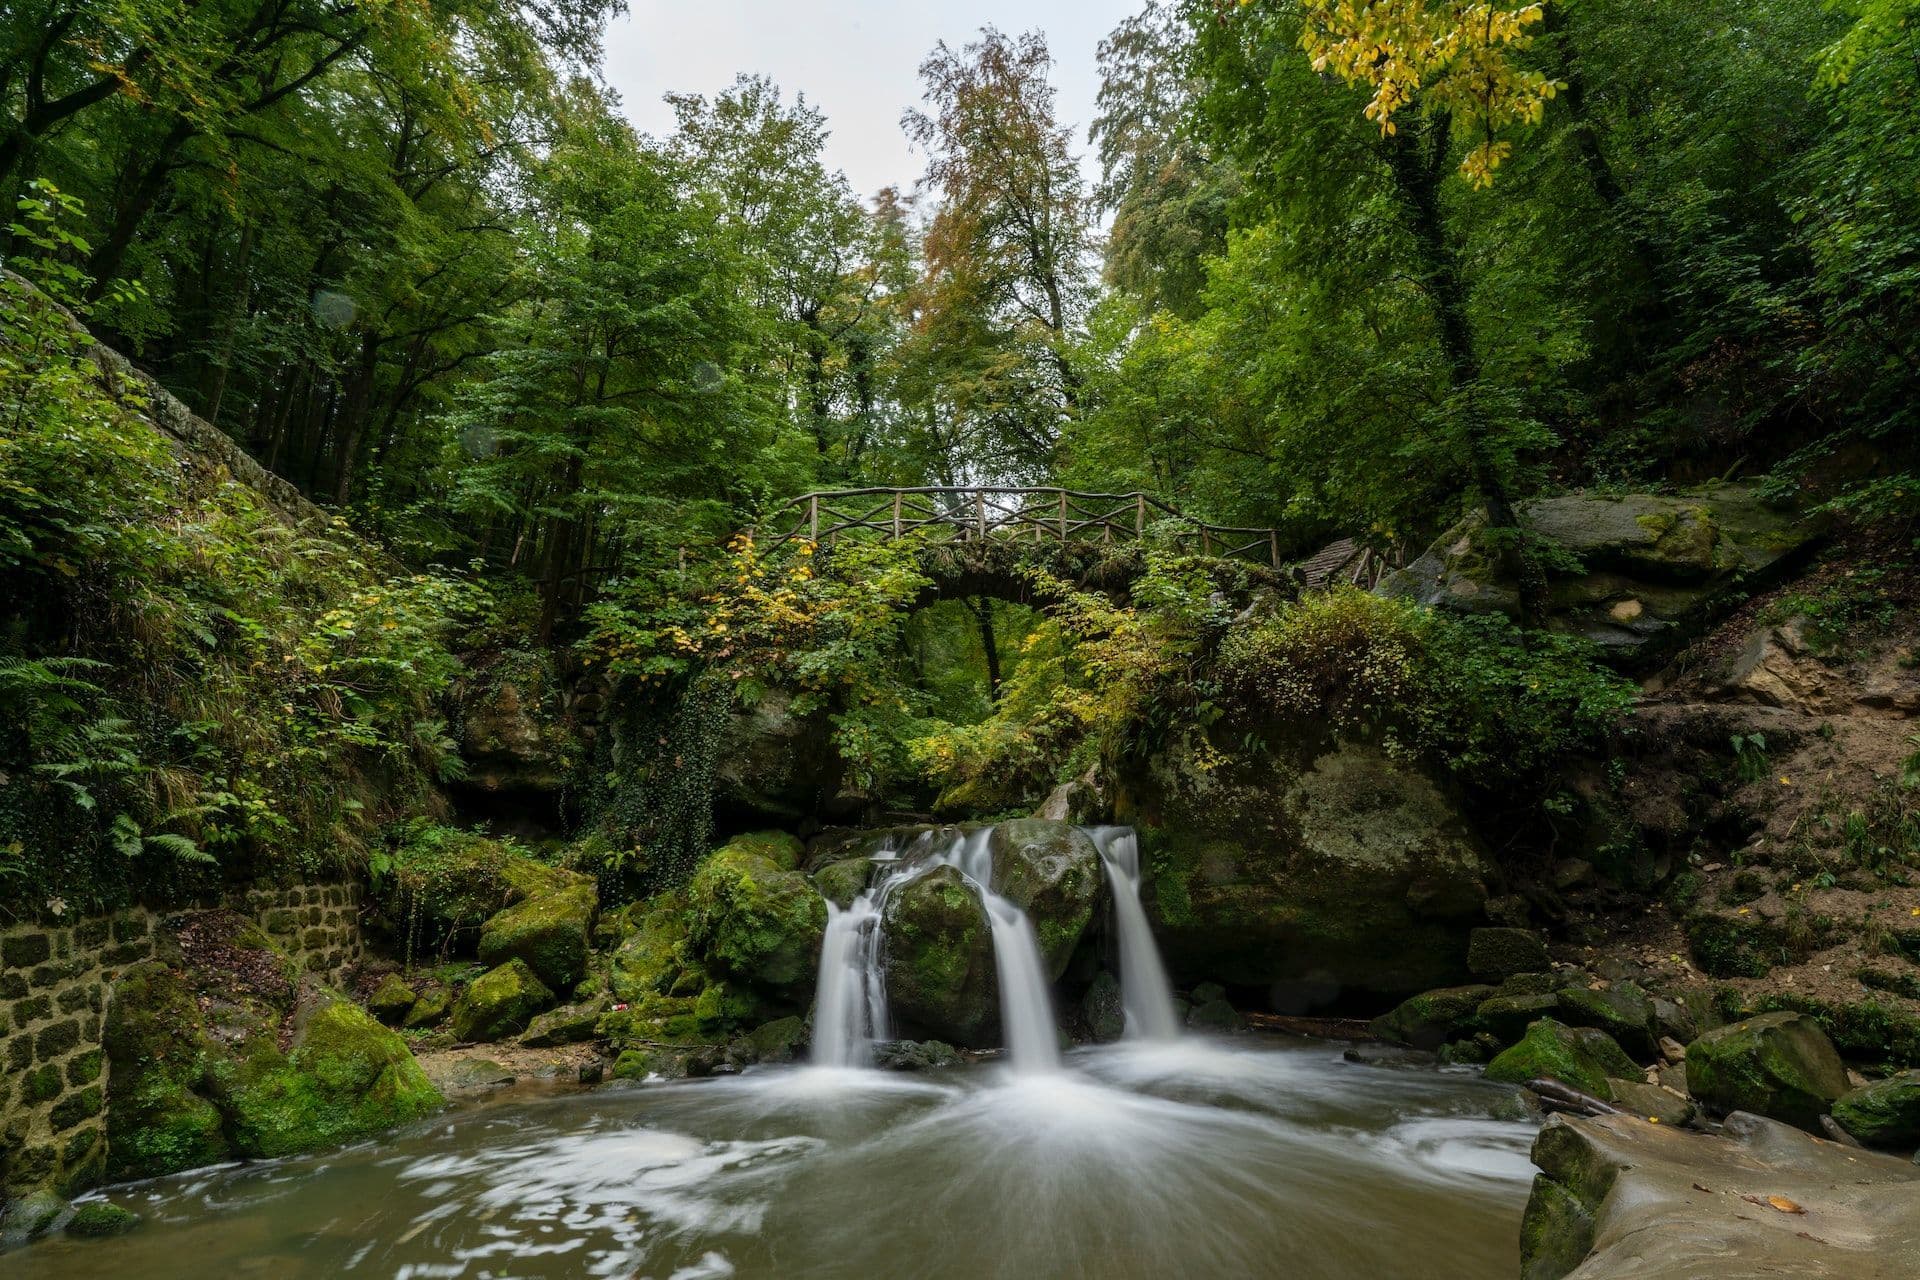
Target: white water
point(1146, 997)
point(851, 1009)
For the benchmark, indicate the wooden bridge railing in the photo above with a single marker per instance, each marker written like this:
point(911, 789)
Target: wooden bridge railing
point(976, 512)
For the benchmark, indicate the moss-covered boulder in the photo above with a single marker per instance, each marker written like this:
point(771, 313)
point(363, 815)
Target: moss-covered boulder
point(232, 1053)
point(754, 917)
point(1051, 871)
point(1579, 1056)
point(1507, 1016)
point(1432, 1018)
point(648, 961)
point(429, 1009)
point(1621, 1009)
point(1885, 1113)
point(1102, 1009)
point(781, 1040)
point(569, 1024)
point(345, 1076)
point(392, 1000)
point(843, 881)
point(500, 1003)
point(1776, 1064)
point(1497, 953)
point(940, 968)
point(98, 1219)
point(550, 929)
point(1336, 872)
point(515, 735)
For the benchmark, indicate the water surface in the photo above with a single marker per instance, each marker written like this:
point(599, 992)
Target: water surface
point(1183, 1159)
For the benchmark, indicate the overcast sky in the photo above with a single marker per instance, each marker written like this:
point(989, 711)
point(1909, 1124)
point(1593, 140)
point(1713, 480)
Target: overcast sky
point(856, 60)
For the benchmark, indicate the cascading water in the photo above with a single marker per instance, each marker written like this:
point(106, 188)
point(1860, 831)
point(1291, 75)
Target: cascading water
point(851, 1010)
point(1146, 997)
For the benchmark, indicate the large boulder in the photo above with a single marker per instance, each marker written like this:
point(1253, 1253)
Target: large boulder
point(1775, 1064)
point(500, 1003)
point(1319, 872)
point(755, 917)
point(514, 733)
point(1621, 1009)
point(1052, 872)
point(1579, 1056)
point(234, 1053)
point(940, 966)
point(1885, 1113)
point(550, 929)
point(779, 765)
point(1654, 566)
point(1430, 1019)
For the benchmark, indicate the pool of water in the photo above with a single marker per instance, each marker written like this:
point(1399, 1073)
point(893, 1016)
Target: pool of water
point(1190, 1159)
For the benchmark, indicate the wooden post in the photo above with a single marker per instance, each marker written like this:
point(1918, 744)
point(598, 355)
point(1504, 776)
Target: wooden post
point(1139, 515)
point(1063, 515)
point(980, 511)
point(896, 514)
point(1273, 545)
point(1206, 541)
point(813, 518)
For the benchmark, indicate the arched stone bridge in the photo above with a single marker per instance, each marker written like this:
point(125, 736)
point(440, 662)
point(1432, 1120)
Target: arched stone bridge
point(978, 536)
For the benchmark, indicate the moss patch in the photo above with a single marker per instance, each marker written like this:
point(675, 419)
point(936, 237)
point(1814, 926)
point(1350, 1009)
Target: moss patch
point(1579, 1056)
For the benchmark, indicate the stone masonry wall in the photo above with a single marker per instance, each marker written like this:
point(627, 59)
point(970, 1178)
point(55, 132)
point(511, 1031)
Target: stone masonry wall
point(55, 982)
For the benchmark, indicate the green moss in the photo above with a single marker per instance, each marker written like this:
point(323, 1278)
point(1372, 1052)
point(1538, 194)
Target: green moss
point(156, 1122)
point(98, 1219)
point(1622, 1010)
point(754, 921)
point(429, 1008)
point(1869, 1031)
point(1885, 1113)
point(1429, 1019)
point(1730, 946)
point(1579, 1056)
point(648, 961)
point(1556, 1232)
point(843, 881)
point(1775, 1064)
point(500, 1003)
point(392, 1000)
point(550, 930)
point(782, 850)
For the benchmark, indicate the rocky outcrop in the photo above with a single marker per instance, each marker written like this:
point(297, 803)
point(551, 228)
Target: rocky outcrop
point(1317, 872)
point(514, 734)
point(1618, 1197)
point(232, 1053)
point(755, 919)
point(778, 766)
point(550, 929)
point(1885, 1113)
point(1654, 567)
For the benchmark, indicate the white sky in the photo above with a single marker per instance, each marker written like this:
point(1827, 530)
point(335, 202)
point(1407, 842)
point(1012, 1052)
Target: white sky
point(856, 60)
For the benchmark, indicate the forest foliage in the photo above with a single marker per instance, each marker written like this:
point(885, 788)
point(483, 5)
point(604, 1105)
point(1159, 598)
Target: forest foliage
point(1344, 270)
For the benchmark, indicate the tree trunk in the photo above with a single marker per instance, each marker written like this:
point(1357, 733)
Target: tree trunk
point(982, 608)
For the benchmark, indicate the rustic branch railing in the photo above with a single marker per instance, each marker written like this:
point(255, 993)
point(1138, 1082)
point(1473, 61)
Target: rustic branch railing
point(976, 512)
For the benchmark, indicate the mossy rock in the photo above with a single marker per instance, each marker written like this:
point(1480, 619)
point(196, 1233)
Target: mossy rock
point(392, 1000)
point(1498, 953)
point(345, 1077)
point(1506, 1017)
point(1885, 1113)
point(940, 966)
point(500, 1003)
point(843, 881)
point(1622, 1009)
point(1430, 1019)
point(569, 1024)
point(1050, 870)
point(755, 918)
point(1882, 1032)
point(1103, 1010)
point(550, 930)
point(653, 1063)
point(1216, 1016)
point(98, 1219)
point(781, 849)
point(429, 1008)
point(155, 1040)
point(916, 1055)
point(1779, 1065)
point(1579, 1056)
point(781, 1040)
point(648, 961)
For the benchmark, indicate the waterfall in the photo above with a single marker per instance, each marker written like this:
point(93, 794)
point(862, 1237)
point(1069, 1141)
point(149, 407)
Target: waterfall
point(851, 1006)
point(1146, 997)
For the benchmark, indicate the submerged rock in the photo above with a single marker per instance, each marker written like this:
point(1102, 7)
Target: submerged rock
point(97, 1219)
point(915, 1055)
point(1579, 1056)
point(1618, 1198)
point(500, 1003)
point(1779, 1065)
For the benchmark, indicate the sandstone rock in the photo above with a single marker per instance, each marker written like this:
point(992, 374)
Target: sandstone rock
point(1779, 1065)
point(1885, 1113)
point(1579, 1056)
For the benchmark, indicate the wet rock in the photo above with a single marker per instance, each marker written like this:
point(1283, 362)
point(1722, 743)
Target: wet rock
point(1102, 1009)
point(569, 1024)
point(781, 1040)
point(843, 881)
point(1507, 1017)
point(1216, 1016)
point(392, 1000)
point(1618, 1198)
point(915, 1055)
point(500, 1003)
point(1779, 1065)
point(98, 1219)
point(755, 918)
point(550, 930)
point(940, 965)
point(1579, 1056)
point(1052, 872)
point(1430, 1019)
point(29, 1216)
point(1885, 1113)
point(1499, 953)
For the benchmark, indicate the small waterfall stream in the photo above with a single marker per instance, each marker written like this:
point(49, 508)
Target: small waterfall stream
point(1146, 997)
point(851, 1005)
